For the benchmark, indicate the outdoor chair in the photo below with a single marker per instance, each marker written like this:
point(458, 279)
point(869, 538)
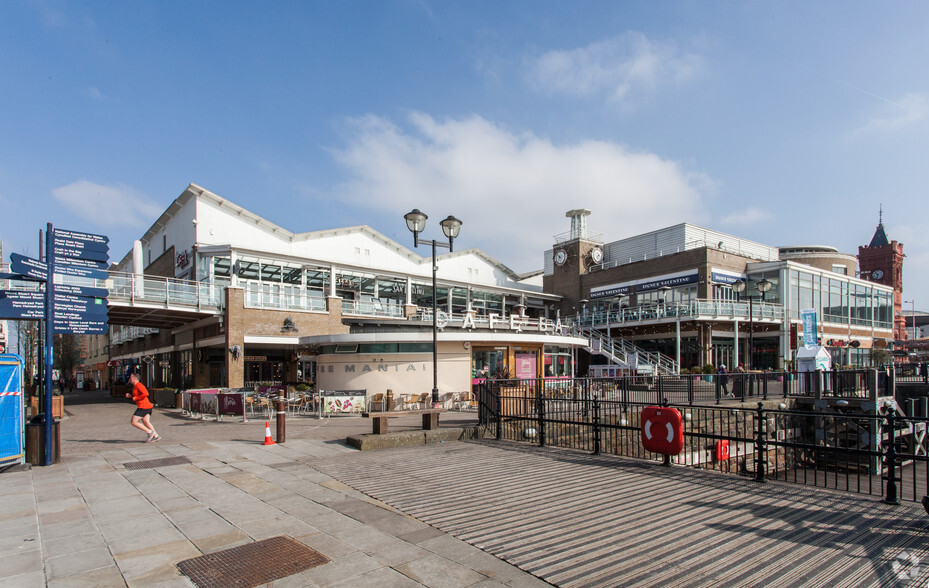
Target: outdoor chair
point(463, 401)
point(408, 401)
point(377, 402)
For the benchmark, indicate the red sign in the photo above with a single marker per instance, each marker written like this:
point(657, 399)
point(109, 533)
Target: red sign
point(662, 430)
point(722, 450)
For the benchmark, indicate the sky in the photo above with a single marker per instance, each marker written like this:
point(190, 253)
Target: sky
point(786, 123)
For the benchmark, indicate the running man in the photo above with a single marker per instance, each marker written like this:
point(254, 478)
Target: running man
point(141, 418)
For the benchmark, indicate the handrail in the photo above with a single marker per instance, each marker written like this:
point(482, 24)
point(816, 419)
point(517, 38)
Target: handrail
point(625, 353)
point(135, 288)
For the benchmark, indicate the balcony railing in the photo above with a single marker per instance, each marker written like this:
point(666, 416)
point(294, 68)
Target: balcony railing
point(696, 309)
point(372, 308)
point(168, 292)
point(284, 301)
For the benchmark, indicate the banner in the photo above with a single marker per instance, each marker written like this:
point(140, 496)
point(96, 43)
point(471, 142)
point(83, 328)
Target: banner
point(808, 317)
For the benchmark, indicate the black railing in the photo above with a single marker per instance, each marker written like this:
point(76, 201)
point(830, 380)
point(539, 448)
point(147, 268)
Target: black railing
point(912, 372)
point(880, 453)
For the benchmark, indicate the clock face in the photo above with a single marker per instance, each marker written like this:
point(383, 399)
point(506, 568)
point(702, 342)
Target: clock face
point(877, 274)
point(596, 255)
point(561, 256)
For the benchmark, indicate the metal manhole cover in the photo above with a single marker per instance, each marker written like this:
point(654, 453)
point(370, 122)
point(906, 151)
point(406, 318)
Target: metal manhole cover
point(156, 463)
point(252, 564)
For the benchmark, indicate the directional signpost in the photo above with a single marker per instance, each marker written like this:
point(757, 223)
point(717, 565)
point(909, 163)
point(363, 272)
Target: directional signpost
point(79, 309)
point(66, 308)
point(33, 268)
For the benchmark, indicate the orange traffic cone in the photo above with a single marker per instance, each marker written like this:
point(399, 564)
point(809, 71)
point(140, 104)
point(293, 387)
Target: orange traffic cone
point(268, 440)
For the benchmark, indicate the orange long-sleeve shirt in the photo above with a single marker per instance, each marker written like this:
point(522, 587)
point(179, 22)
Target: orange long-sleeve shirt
point(140, 396)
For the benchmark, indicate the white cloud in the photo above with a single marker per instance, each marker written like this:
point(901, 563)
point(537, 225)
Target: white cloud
point(617, 68)
point(748, 216)
point(107, 206)
point(511, 190)
point(909, 109)
point(94, 93)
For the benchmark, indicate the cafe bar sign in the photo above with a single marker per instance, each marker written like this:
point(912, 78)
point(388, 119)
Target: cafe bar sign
point(513, 322)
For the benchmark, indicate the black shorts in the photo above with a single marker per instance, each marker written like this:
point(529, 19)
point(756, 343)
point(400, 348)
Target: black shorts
point(142, 412)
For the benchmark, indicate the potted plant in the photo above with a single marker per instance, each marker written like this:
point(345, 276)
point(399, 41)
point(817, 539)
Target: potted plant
point(708, 371)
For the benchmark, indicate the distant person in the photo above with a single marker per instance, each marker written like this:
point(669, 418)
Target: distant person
point(61, 385)
point(141, 418)
point(739, 387)
point(723, 376)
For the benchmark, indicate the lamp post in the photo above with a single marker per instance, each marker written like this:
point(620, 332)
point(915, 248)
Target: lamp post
point(763, 285)
point(451, 226)
point(912, 314)
point(738, 287)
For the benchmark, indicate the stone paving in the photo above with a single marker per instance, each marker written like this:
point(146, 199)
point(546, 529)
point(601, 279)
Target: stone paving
point(90, 521)
point(448, 514)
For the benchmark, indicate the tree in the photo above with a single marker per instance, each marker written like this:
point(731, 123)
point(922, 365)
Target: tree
point(27, 347)
point(67, 353)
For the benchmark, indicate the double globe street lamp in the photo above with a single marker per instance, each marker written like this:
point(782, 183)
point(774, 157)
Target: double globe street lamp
point(451, 226)
point(762, 285)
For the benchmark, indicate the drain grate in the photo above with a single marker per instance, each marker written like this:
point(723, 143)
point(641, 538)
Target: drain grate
point(252, 564)
point(156, 463)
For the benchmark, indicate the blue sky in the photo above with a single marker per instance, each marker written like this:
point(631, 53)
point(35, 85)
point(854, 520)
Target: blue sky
point(783, 122)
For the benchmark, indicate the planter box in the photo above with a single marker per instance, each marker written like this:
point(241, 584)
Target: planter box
point(58, 406)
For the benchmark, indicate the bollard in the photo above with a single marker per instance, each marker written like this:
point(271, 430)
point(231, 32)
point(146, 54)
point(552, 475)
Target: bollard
point(281, 420)
point(390, 399)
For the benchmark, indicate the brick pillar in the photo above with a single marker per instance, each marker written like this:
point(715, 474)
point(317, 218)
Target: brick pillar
point(235, 335)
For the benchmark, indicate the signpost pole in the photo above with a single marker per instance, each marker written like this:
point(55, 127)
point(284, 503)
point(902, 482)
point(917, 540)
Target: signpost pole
point(49, 420)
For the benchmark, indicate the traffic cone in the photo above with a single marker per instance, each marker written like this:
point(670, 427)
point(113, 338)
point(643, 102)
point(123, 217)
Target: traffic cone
point(268, 440)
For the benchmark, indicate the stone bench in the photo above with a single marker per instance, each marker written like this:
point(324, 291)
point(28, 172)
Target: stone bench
point(379, 419)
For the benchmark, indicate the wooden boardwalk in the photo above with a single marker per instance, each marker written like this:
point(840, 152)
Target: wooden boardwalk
point(575, 519)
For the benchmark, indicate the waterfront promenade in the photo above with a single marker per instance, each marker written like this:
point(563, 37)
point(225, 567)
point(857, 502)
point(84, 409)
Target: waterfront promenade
point(451, 514)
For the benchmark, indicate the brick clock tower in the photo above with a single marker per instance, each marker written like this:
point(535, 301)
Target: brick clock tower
point(881, 261)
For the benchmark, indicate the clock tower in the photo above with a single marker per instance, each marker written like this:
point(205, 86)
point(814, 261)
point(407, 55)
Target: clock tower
point(881, 261)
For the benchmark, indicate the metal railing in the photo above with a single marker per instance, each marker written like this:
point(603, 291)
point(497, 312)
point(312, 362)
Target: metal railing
point(624, 353)
point(132, 289)
point(672, 311)
point(284, 301)
point(883, 453)
point(371, 308)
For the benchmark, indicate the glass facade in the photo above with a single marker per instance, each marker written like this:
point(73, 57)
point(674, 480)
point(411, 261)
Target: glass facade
point(840, 301)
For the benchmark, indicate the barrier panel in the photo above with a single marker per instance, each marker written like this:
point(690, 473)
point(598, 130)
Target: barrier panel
point(215, 402)
point(342, 401)
point(12, 427)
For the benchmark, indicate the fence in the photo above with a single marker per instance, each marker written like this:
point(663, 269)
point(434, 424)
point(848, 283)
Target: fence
point(713, 388)
point(880, 453)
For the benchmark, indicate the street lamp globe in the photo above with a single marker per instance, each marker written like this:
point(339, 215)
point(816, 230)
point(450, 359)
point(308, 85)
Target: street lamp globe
point(451, 226)
point(738, 287)
point(415, 221)
point(763, 286)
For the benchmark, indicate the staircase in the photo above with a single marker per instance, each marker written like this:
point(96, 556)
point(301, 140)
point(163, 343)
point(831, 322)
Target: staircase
point(627, 355)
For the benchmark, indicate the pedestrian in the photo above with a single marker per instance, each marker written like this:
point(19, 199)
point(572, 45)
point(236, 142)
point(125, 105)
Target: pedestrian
point(61, 386)
point(141, 418)
point(723, 376)
point(739, 375)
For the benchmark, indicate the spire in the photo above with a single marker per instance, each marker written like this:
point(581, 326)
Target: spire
point(880, 237)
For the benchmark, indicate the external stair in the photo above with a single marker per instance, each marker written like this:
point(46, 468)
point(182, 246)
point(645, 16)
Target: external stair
point(626, 355)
